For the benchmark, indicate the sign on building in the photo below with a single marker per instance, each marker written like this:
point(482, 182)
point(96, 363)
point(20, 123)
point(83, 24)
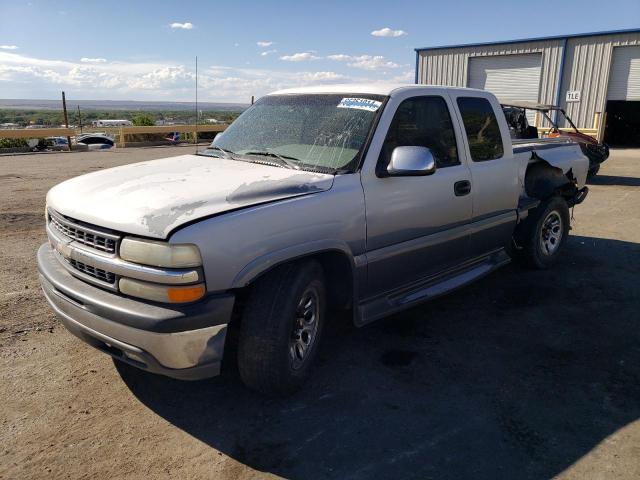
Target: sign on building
point(573, 96)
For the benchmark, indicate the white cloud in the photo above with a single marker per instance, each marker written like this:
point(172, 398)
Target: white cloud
point(299, 57)
point(30, 77)
point(9, 47)
point(268, 52)
point(365, 62)
point(163, 77)
point(241, 83)
point(323, 77)
point(264, 44)
point(341, 57)
point(93, 60)
point(387, 32)
point(183, 26)
point(407, 77)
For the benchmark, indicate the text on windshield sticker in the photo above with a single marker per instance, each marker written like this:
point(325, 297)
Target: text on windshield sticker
point(360, 104)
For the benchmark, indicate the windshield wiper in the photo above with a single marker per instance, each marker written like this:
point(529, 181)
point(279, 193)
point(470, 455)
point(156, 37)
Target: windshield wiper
point(228, 154)
point(284, 160)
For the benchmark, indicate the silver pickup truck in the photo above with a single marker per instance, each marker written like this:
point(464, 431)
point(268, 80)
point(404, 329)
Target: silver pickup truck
point(368, 198)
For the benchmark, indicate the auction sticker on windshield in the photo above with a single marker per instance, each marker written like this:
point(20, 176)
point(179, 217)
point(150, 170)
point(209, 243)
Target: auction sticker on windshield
point(360, 104)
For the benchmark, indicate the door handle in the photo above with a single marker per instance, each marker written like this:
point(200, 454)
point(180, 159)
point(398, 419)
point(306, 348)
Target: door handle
point(461, 188)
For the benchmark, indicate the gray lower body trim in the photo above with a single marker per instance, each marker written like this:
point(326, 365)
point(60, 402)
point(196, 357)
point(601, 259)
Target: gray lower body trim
point(479, 224)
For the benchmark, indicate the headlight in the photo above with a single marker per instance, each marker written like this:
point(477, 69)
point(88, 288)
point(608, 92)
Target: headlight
point(160, 254)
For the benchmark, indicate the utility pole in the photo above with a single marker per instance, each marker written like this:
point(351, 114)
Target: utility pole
point(196, 133)
point(80, 119)
point(66, 118)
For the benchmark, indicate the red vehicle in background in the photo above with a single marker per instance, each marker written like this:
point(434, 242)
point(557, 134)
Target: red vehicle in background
point(516, 115)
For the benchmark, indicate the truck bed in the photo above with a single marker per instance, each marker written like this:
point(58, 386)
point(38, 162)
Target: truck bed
point(530, 144)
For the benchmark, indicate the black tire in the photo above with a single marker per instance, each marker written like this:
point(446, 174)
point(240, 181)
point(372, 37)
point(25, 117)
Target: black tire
point(270, 320)
point(540, 224)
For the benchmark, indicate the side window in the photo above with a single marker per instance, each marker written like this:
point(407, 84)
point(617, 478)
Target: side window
point(481, 125)
point(423, 122)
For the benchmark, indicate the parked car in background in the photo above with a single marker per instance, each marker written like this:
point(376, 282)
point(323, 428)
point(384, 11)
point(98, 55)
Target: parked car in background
point(57, 143)
point(111, 123)
point(516, 115)
point(366, 198)
point(94, 141)
point(48, 143)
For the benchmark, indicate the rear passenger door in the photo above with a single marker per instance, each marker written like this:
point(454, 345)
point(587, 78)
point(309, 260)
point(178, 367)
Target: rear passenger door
point(416, 226)
point(495, 184)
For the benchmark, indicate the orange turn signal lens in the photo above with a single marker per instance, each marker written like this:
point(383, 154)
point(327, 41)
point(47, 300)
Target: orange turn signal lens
point(161, 293)
point(185, 294)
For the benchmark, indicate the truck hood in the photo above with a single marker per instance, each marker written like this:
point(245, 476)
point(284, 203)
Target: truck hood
point(153, 198)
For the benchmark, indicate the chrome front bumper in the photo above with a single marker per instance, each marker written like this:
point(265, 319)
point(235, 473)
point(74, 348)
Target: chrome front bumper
point(185, 342)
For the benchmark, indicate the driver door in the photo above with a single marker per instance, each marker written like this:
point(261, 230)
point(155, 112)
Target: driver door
point(417, 226)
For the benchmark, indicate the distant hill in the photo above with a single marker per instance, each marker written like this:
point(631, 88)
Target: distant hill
point(23, 104)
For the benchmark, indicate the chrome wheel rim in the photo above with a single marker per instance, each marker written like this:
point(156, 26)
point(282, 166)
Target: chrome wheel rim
point(551, 233)
point(305, 327)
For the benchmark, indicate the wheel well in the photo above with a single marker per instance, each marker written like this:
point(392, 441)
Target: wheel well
point(339, 280)
point(339, 275)
point(543, 180)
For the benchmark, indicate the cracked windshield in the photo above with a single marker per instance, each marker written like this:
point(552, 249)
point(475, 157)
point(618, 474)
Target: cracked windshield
point(314, 132)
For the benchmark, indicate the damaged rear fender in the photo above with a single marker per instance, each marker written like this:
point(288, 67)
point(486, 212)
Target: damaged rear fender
point(543, 180)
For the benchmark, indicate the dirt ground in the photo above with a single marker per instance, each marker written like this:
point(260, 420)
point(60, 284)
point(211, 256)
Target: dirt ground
point(522, 375)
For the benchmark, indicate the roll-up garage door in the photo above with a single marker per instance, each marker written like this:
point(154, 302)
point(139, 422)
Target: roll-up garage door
point(622, 125)
point(624, 79)
point(508, 77)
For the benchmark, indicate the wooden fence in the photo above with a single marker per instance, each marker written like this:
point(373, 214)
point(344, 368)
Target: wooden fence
point(120, 134)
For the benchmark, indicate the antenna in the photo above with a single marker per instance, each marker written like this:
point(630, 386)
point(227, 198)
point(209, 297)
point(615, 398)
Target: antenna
point(196, 133)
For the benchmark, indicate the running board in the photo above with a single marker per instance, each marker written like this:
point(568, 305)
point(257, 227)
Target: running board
point(428, 289)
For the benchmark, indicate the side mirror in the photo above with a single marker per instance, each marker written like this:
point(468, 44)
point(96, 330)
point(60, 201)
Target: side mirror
point(411, 162)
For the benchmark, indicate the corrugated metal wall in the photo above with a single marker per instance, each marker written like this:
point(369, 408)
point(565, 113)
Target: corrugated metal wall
point(586, 68)
point(449, 66)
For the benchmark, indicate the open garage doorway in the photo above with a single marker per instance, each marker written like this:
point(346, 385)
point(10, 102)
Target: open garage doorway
point(622, 127)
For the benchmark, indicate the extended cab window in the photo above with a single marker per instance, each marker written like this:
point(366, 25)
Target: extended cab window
point(481, 125)
point(423, 122)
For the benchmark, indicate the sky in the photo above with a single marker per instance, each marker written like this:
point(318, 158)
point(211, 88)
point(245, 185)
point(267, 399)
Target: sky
point(145, 50)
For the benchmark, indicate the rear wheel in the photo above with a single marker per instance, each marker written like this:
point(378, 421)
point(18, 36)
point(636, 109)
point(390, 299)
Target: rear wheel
point(544, 232)
point(281, 328)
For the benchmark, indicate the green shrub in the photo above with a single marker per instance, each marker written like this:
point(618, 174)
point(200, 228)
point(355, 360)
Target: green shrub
point(143, 120)
point(13, 142)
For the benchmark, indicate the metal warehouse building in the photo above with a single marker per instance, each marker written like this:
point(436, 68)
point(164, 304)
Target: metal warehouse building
point(595, 77)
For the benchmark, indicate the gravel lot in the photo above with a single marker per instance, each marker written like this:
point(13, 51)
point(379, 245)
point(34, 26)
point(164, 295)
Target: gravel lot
point(522, 375)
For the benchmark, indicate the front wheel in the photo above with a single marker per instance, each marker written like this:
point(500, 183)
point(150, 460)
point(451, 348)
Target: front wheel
point(544, 232)
point(281, 328)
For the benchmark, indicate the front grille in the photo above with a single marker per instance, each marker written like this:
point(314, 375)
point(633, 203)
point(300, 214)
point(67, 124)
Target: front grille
point(93, 271)
point(88, 236)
